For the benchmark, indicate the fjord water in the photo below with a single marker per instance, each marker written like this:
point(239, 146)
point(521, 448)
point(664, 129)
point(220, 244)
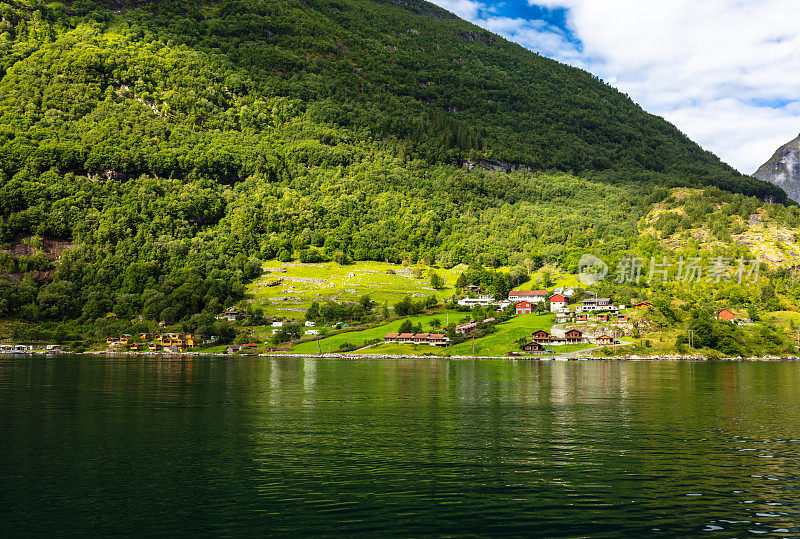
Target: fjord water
point(397, 447)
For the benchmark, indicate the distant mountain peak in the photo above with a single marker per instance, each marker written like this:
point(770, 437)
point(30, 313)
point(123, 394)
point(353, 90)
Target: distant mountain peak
point(783, 169)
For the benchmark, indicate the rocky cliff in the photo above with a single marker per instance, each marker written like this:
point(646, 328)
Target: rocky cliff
point(783, 169)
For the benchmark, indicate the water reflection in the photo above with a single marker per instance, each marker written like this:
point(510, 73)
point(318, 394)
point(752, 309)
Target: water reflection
point(398, 447)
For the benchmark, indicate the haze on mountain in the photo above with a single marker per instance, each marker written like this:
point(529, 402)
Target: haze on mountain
point(168, 148)
point(783, 169)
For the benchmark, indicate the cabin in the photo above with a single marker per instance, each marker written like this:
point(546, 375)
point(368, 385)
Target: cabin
point(622, 318)
point(310, 324)
point(583, 317)
point(277, 324)
point(540, 336)
point(533, 347)
point(602, 318)
point(230, 314)
point(135, 347)
point(524, 307)
point(191, 341)
point(557, 302)
point(233, 348)
point(155, 347)
point(604, 340)
point(391, 337)
point(312, 332)
point(726, 315)
point(421, 338)
point(563, 317)
point(21, 349)
point(53, 348)
point(533, 296)
point(6, 348)
point(144, 336)
point(573, 336)
point(110, 340)
point(642, 305)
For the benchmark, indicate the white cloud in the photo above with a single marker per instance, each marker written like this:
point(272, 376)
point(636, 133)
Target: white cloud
point(721, 70)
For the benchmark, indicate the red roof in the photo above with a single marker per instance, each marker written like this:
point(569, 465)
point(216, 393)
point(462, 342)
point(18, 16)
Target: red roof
point(530, 293)
point(557, 298)
point(406, 336)
point(725, 314)
point(436, 336)
point(421, 335)
point(391, 336)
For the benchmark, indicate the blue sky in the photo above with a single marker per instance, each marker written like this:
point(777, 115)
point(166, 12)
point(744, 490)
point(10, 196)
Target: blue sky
point(725, 72)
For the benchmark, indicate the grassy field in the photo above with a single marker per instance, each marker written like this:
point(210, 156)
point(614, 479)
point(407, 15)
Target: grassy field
point(359, 338)
point(304, 283)
point(384, 283)
point(503, 341)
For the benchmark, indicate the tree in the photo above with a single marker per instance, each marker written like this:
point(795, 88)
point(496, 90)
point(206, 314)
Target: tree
point(406, 326)
point(437, 283)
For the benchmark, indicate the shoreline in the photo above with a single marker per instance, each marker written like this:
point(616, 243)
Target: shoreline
point(190, 355)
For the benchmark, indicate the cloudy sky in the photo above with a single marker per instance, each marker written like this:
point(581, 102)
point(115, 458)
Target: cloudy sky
point(725, 72)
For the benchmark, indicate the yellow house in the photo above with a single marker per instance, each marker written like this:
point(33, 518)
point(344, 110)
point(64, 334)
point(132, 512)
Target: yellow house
point(110, 340)
point(144, 336)
point(154, 347)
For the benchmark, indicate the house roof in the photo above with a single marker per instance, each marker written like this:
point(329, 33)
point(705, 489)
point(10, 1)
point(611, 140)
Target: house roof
point(436, 336)
point(528, 293)
point(391, 335)
point(422, 335)
point(574, 331)
point(406, 336)
point(558, 298)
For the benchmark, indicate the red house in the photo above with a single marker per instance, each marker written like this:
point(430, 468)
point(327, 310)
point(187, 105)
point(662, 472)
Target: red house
point(524, 307)
point(557, 301)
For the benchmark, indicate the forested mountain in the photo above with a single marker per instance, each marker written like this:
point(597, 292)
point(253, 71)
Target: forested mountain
point(152, 154)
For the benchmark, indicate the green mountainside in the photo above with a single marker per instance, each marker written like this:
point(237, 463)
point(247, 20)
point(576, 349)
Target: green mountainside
point(153, 154)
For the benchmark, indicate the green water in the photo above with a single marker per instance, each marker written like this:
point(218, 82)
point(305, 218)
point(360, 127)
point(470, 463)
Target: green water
point(398, 447)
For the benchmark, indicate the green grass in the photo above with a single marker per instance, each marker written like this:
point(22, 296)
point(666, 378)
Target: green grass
point(291, 299)
point(503, 340)
point(359, 338)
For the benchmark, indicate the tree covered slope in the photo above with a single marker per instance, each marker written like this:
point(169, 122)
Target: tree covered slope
point(173, 145)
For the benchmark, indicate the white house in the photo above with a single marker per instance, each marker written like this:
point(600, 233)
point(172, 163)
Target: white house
point(483, 301)
point(310, 324)
point(557, 302)
point(312, 332)
point(596, 304)
point(277, 324)
point(532, 296)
